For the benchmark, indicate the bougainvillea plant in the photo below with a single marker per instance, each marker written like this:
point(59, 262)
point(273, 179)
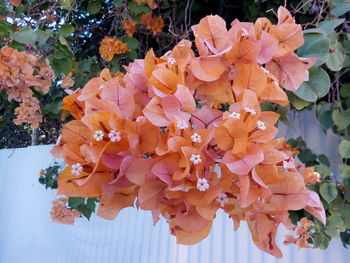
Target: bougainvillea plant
point(22, 74)
point(184, 135)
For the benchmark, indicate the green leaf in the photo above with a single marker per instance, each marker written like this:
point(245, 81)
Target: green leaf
point(29, 36)
point(132, 54)
point(340, 8)
point(91, 204)
point(315, 45)
point(344, 149)
point(60, 66)
point(336, 206)
point(266, 106)
point(335, 225)
point(66, 30)
point(328, 192)
point(341, 119)
point(74, 202)
point(346, 216)
point(346, 183)
point(323, 170)
point(337, 54)
point(55, 106)
point(132, 42)
point(344, 170)
point(19, 10)
point(118, 3)
point(316, 87)
point(41, 37)
point(321, 107)
point(321, 240)
point(326, 27)
point(298, 103)
point(283, 110)
point(323, 159)
point(26, 36)
point(85, 211)
point(306, 156)
point(65, 4)
point(294, 217)
point(94, 7)
point(345, 90)
point(85, 65)
point(136, 9)
point(325, 119)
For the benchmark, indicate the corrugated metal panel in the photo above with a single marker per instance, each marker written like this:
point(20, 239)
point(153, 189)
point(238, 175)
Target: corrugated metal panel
point(28, 235)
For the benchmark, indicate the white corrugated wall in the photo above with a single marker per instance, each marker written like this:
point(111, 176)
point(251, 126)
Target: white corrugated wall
point(28, 236)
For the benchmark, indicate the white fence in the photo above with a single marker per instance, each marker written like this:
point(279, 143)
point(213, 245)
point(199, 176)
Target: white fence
point(27, 235)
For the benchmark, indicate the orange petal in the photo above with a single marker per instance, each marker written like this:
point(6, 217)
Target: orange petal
point(148, 194)
point(190, 238)
point(93, 188)
point(243, 165)
point(207, 69)
point(290, 70)
point(110, 205)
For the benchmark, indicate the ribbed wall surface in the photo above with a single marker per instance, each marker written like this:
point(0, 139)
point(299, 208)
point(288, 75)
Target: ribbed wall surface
point(27, 235)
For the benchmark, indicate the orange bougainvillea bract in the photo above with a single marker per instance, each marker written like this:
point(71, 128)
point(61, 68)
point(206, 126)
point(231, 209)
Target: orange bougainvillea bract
point(183, 136)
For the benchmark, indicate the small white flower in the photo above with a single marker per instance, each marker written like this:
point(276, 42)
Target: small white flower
point(77, 169)
point(196, 137)
point(244, 32)
point(289, 164)
point(222, 199)
point(171, 61)
point(182, 125)
point(261, 125)
point(276, 83)
point(235, 115)
point(195, 159)
point(102, 86)
point(265, 70)
point(59, 139)
point(98, 135)
point(140, 118)
point(202, 184)
point(250, 110)
point(115, 136)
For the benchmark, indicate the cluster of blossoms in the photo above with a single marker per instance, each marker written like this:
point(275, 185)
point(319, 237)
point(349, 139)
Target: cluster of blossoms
point(153, 23)
point(310, 176)
point(29, 112)
point(302, 231)
point(111, 46)
point(184, 136)
point(129, 27)
point(21, 71)
point(151, 3)
point(61, 214)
